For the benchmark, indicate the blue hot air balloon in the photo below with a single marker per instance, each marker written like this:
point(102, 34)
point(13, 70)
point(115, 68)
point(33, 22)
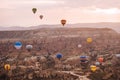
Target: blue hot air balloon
point(59, 56)
point(83, 59)
point(18, 45)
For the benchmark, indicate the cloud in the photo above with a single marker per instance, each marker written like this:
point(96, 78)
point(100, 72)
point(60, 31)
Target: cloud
point(29, 3)
point(97, 3)
point(107, 11)
point(60, 3)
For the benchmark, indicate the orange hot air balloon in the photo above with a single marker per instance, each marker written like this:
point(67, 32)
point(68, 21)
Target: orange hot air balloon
point(100, 59)
point(34, 10)
point(7, 67)
point(63, 22)
point(41, 16)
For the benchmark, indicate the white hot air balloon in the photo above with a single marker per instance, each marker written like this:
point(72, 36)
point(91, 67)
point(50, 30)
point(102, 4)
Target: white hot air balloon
point(97, 63)
point(79, 45)
point(117, 55)
point(29, 47)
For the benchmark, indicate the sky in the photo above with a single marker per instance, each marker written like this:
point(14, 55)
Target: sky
point(19, 12)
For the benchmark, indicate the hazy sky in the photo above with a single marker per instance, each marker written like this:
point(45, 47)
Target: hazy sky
point(19, 12)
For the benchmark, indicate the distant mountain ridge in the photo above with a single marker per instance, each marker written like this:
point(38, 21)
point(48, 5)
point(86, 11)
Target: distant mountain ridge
point(115, 26)
point(57, 32)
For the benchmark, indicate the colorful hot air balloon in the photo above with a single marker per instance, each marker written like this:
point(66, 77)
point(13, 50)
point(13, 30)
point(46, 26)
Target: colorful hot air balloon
point(29, 47)
point(41, 16)
point(59, 56)
point(18, 45)
point(7, 67)
point(100, 59)
point(93, 68)
point(34, 10)
point(63, 22)
point(83, 59)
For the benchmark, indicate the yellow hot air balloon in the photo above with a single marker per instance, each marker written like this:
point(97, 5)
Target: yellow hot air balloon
point(34, 10)
point(7, 67)
point(63, 22)
point(93, 68)
point(89, 40)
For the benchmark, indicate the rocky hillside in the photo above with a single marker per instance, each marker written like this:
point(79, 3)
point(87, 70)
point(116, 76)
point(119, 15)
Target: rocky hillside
point(41, 62)
point(56, 32)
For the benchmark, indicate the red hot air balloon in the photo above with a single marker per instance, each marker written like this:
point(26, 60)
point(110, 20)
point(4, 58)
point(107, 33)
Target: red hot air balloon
point(100, 59)
point(63, 22)
point(41, 16)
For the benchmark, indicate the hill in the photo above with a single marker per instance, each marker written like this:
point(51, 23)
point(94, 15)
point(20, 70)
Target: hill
point(56, 32)
point(114, 26)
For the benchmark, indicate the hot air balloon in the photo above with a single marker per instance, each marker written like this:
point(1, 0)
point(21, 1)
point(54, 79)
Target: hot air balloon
point(18, 45)
point(93, 68)
point(83, 59)
point(97, 63)
point(29, 47)
point(7, 67)
point(63, 22)
point(109, 63)
point(34, 10)
point(89, 40)
point(79, 45)
point(117, 55)
point(59, 56)
point(41, 16)
point(100, 59)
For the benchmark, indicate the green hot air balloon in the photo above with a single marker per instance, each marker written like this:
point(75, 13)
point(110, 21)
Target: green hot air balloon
point(34, 10)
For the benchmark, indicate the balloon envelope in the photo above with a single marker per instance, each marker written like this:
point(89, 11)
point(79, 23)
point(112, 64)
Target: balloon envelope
point(100, 59)
point(41, 16)
point(18, 45)
point(97, 63)
point(7, 66)
point(117, 55)
point(83, 56)
point(63, 22)
point(89, 40)
point(79, 46)
point(34, 10)
point(93, 68)
point(29, 47)
point(109, 63)
point(83, 59)
point(59, 56)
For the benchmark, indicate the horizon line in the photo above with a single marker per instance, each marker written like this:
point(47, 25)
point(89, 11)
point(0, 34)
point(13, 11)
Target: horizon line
point(59, 24)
